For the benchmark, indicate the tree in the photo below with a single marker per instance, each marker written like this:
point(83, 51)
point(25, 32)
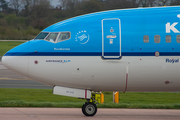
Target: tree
point(27, 6)
point(69, 4)
point(3, 5)
point(40, 14)
point(63, 3)
point(163, 2)
point(89, 7)
point(151, 2)
point(120, 4)
point(175, 2)
point(146, 3)
point(16, 5)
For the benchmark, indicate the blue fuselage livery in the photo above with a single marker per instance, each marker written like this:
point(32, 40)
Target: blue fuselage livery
point(130, 26)
point(117, 50)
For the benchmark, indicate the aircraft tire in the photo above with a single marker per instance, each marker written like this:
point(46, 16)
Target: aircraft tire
point(89, 109)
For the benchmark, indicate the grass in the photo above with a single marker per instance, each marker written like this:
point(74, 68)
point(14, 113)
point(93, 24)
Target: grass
point(45, 98)
point(7, 45)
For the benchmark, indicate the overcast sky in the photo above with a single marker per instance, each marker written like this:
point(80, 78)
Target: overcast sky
point(54, 2)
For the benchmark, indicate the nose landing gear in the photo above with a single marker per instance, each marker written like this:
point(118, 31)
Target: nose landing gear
point(89, 109)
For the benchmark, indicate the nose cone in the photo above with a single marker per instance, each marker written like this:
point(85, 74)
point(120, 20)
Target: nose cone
point(18, 64)
point(17, 60)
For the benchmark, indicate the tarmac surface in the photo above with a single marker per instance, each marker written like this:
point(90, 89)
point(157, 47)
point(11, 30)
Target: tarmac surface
point(76, 114)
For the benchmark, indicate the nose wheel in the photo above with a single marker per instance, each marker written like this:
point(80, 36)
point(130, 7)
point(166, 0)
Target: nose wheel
point(89, 109)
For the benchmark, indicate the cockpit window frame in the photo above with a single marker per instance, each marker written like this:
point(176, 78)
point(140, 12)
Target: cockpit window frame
point(46, 36)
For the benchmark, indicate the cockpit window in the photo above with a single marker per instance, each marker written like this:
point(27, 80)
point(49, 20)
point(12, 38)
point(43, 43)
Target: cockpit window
point(52, 37)
point(42, 35)
point(64, 36)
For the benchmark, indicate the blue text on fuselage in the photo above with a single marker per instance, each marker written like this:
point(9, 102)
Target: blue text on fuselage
point(172, 60)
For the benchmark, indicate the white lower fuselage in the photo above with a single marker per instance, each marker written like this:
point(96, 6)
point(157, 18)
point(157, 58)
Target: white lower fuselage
point(93, 73)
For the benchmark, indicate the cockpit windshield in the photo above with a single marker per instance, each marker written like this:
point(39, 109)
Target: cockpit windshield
point(63, 36)
point(54, 37)
point(42, 35)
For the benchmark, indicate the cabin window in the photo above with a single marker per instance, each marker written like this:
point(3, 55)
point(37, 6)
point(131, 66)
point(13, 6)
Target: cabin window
point(52, 37)
point(157, 38)
point(178, 38)
point(168, 38)
point(64, 36)
point(42, 35)
point(146, 39)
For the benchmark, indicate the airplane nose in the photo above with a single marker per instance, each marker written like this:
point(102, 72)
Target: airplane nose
point(17, 58)
point(18, 64)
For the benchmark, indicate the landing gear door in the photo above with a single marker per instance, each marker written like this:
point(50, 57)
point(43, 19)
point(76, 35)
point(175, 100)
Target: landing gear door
point(111, 38)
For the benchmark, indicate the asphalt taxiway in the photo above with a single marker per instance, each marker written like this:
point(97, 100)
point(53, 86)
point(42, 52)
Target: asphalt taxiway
point(76, 114)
